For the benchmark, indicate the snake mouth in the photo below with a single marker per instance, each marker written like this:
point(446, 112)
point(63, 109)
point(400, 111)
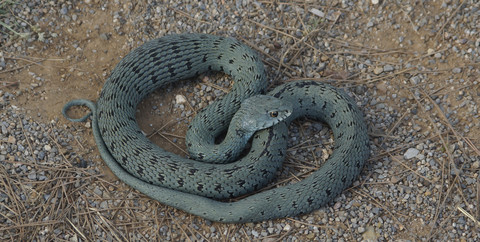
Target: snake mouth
point(285, 114)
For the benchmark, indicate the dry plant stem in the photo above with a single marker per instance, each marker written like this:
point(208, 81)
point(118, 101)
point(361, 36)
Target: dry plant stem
point(445, 119)
point(18, 68)
point(362, 48)
point(188, 16)
point(372, 80)
point(77, 230)
point(410, 169)
point(477, 223)
point(477, 213)
point(426, 55)
point(273, 65)
point(283, 33)
point(391, 211)
point(161, 128)
point(302, 40)
point(441, 204)
point(179, 225)
point(440, 31)
point(214, 86)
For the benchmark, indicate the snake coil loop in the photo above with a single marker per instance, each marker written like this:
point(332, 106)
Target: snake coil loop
point(199, 187)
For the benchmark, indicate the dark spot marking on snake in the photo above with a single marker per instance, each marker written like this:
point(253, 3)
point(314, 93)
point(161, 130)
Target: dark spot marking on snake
point(271, 134)
point(173, 166)
point(136, 70)
point(124, 160)
point(234, 45)
point(239, 133)
point(200, 187)
point(264, 172)
point(192, 171)
point(241, 183)
point(328, 191)
point(340, 135)
point(228, 154)
point(324, 105)
point(294, 204)
point(112, 148)
point(174, 47)
point(218, 187)
point(338, 124)
point(180, 182)
point(189, 65)
point(350, 107)
point(305, 84)
point(230, 171)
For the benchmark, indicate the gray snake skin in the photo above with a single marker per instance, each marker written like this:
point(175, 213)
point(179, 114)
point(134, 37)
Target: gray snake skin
point(203, 188)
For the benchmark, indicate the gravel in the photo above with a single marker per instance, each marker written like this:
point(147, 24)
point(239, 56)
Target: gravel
point(412, 68)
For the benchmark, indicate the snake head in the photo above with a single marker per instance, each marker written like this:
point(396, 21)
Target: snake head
point(261, 112)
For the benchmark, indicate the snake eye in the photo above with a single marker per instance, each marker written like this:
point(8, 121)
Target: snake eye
point(274, 114)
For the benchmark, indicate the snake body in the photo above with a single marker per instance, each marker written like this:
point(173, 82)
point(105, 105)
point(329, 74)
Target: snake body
point(198, 187)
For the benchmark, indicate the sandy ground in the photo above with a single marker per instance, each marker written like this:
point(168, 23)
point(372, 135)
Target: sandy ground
point(77, 62)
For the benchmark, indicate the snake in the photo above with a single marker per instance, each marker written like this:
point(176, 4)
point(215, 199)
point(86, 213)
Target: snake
point(218, 182)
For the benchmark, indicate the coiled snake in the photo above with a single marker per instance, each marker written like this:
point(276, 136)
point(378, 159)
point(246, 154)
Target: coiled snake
point(201, 188)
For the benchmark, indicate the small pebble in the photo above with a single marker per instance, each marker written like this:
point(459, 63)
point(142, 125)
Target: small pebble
point(411, 153)
point(456, 70)
point(64, 10)
point(387, 68)
point(378, 70)
point(180, 99)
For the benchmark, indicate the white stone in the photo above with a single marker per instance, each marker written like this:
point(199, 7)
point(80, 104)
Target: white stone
point(180, 99)
point(411, 152)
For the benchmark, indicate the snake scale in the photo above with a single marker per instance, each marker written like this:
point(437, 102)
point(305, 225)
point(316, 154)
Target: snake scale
point(203, 188)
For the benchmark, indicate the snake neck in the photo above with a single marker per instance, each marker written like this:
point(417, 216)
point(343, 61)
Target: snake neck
point(230, 148)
